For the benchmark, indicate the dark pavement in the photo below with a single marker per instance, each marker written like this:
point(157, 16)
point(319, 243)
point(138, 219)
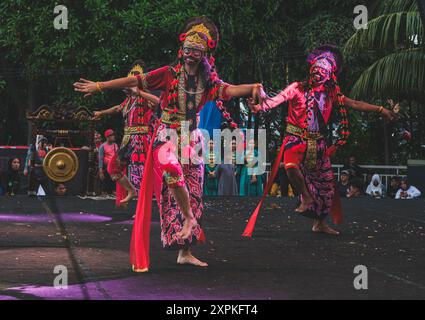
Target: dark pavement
point(284, 260)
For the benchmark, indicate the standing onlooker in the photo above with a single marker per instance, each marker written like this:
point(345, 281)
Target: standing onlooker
point(407, 191)
point(393, 187)
point(226, 177)
point(106, 151)
point(343, 184)
point(353, 168)
point(375, 188)
point(251, 183)
point(34, 166)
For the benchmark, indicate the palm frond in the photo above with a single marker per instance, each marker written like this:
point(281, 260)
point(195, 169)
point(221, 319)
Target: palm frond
point(389, 31)
point(391, 6)
point(399, 75)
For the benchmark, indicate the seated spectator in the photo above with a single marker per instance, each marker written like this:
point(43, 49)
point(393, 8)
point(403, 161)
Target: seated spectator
point(11, 179)
point(407, 191)
point(60, 190)
point(356, 188)
point(393, 187)
point(375, 189)
point(344, 183)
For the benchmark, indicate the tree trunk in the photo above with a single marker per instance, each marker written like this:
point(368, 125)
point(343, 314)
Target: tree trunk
point(30, 108)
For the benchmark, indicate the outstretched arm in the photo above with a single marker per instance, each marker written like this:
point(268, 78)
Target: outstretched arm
point(100, 114)
point(285, 95)
point(88, 87)
point(243, 90)
point(363, 106)
point(150, 97)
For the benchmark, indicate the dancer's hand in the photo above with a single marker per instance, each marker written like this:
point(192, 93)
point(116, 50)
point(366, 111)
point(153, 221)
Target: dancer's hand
point(389, 115)
point(252, 106)
point(97, 115)
point(86, 86)
point(258, 94)
point(101, 175)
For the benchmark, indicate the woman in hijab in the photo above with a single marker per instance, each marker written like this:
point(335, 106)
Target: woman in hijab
point(11, 179)
point(375, 188)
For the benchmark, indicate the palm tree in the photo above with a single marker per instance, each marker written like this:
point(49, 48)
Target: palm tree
point(396, 35)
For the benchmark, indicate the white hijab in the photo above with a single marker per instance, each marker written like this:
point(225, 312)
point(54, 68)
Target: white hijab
point(371, 189)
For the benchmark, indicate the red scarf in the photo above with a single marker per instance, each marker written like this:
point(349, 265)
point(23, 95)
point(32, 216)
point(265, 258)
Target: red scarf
point(140, 238)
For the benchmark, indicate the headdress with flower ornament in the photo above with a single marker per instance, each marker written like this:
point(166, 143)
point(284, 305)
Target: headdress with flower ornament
point(330, 58)
point(202, 34)
point(135, 70)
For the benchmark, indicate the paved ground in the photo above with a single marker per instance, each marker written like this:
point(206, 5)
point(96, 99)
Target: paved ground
point(283, 261)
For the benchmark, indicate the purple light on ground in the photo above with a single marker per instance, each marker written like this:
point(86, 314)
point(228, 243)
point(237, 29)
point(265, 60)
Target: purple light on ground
point(43, 218)
point(136, 288)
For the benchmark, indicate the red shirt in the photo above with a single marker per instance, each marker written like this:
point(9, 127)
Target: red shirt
point(162, 78)
point(295, 95)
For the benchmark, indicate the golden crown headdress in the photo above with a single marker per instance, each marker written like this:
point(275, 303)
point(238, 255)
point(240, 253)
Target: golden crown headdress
point(192, 36)
point(136, 69)
point(201, 28)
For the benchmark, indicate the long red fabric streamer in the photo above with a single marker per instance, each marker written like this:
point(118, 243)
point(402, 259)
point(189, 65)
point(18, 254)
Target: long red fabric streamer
point(251, 223)
point(336, 208)
point(140, 238)
point(121, 193)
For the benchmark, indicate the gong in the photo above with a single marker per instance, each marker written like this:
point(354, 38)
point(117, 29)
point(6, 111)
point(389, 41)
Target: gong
point(61, 164)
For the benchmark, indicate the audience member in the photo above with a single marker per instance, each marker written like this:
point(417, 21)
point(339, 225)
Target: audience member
point(407, 191)
point(375, 188)
point(106, 151)
point(393, 187)
point(60, 189)
point(353, 168)
point(343, 184)
point(356, 188)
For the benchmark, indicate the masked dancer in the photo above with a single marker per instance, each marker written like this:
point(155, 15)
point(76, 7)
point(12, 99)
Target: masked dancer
point(187, 86)
point(138, 111)
point(313, 106)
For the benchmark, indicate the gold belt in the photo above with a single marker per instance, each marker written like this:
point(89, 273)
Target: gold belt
point(129, 131)
point(136, 130)
point(174, 118)
point(303, 133)
point(310, 160)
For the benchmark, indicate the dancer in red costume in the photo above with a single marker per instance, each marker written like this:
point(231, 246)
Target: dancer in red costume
point(305, 150)
point(139, 117)
point(187, 87)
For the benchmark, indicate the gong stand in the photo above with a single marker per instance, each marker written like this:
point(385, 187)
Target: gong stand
point(62, 123)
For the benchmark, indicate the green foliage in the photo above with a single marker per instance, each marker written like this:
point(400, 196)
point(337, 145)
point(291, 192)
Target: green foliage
point(396, 35)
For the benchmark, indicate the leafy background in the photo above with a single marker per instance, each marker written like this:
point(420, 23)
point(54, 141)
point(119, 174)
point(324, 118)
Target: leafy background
point(260, 41)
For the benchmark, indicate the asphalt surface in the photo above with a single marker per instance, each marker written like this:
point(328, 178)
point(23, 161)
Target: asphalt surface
point(284, 259)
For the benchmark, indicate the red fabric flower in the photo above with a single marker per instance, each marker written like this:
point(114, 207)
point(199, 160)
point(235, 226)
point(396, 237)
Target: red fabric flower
point(182, 37)
point(211, 44)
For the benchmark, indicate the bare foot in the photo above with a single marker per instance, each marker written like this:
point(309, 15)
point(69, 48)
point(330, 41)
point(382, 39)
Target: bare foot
point(130, 196)
point(322, 227)
point(190, 259)
point(186, 231)
point(305, 204)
